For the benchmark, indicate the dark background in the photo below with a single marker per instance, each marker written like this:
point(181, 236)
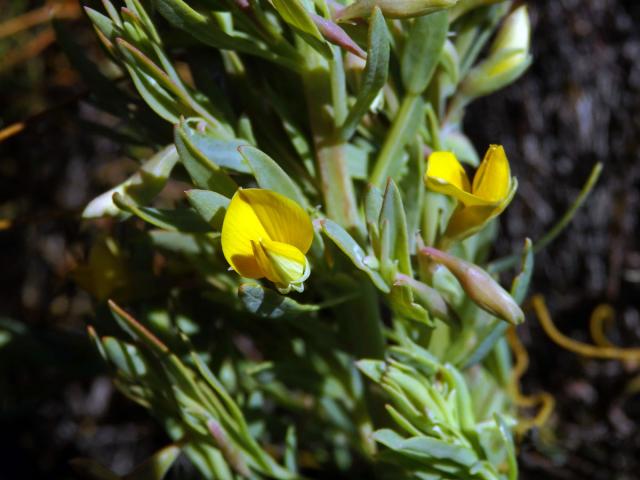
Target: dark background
point(578, 104)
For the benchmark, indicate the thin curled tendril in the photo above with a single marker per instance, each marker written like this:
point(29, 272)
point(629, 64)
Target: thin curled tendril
point(544, 399)
point(604, 350)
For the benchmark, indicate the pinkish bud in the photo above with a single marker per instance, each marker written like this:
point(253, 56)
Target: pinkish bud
point(336, 35)
point(479, 285)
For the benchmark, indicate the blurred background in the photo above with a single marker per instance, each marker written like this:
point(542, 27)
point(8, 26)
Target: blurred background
point(578, 104)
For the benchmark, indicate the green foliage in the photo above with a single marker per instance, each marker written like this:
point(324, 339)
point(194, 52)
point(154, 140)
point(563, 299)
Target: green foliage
point(384, 365)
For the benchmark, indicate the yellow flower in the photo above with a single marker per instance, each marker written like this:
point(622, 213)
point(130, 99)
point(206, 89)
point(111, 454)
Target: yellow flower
point(492, 189)
point(265, 234)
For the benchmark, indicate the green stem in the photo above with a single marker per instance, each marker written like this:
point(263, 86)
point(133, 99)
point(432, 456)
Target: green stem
point(335, 181)
point(402, 130)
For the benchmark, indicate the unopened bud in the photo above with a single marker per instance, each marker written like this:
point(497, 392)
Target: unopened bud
point(393, 8)
point(509, 57)
point(335, 34)
point(479, 285)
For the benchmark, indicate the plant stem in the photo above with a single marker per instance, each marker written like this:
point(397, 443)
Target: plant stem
point(404, 127)
point(335, 181)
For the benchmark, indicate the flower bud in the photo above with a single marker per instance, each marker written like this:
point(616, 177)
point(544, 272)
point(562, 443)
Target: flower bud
point(509, 57)
point(479, 285)
point(393, 8)
point(336, 35)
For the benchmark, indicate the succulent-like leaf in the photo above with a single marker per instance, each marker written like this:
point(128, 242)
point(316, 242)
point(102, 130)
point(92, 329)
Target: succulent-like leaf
point(266, 303)
point(352, 250)
point(422, 51)
point(271, 176)
point(375, 73)
point(203, 170)
point(211, 206)
point(177, 219)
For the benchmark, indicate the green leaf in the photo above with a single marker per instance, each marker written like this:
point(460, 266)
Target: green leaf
point(437, 210)
point(157, 466)
point(375, 73)
point(392, 211)
point(426, 449)
point(271, 176)
point(413, 192)
point(403, 304)
point(421, 53)
point(352, 250)
point(211, 206)
point(143, 18)
point(463, 399)
point(184, 243)
point(266, 303)
point(393, 8)
point(372, 204)
point(291, 449)
point(136, 329)
point(140, 188)
point(204, 28)
point(505, 434)
point(126, 358)
point(462, 147)
point(103, 24)
point(294, 13)
point(178, 219)
point(428, 298)
point(203, 170)
point(154, 94)
point(223, 153)
point(208, 460)
point(374, 369)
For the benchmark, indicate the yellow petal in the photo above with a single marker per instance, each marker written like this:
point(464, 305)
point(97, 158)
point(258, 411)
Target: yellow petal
point(466, 221)
point(241, 225)
point(283, 219)
point(492, 182)
point(283, 264)
point(445, 171)
point(254, 215)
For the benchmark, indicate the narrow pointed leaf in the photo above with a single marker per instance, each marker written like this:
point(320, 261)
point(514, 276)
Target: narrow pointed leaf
point(203, 170)
point(271, 176)
point(392, 211)
point(140, 188)
point(352, 250)
point(294, 13)
point(421, 53)
point(375, 74)
point(266, 303)
point(211, 206)
point(178, 219)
